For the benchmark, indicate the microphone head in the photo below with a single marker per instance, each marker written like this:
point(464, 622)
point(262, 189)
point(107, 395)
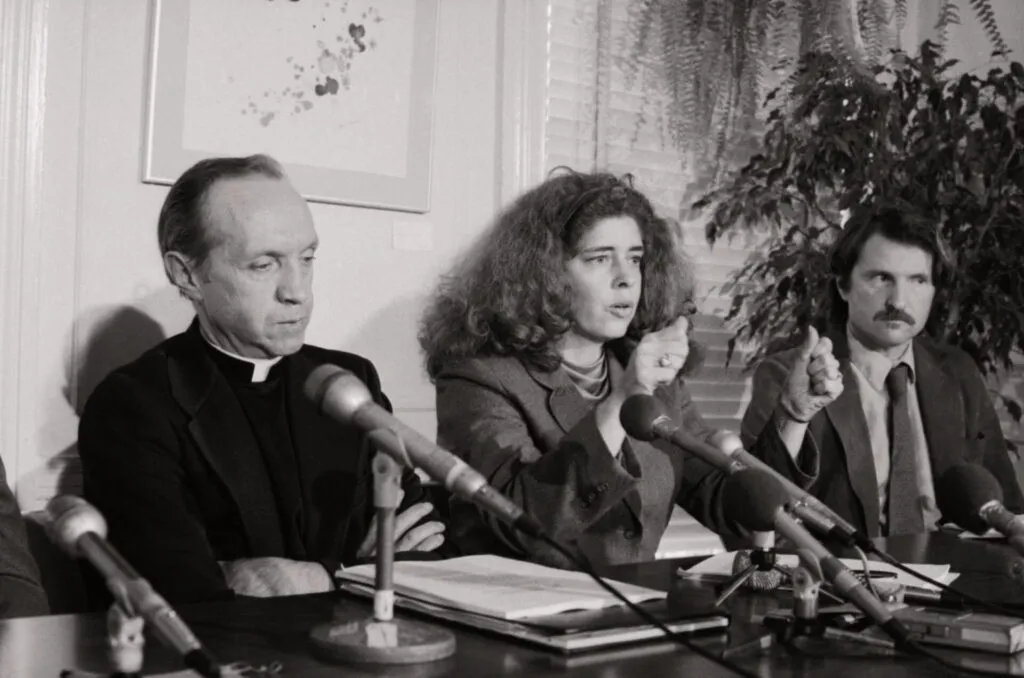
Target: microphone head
point(639, 415)
point(759, 580)
point(68, 518)
point(753, 498)
point(962, 491)
point(336, 392)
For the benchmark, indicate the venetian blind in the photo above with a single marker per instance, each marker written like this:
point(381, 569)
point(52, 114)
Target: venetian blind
point(597, 119)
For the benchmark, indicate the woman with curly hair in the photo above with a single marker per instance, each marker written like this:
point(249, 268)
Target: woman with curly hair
point(576, 298)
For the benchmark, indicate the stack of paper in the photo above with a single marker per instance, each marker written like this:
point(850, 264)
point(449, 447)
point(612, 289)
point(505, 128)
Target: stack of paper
point(561, 610)
point(499, 587)
point(684, 537)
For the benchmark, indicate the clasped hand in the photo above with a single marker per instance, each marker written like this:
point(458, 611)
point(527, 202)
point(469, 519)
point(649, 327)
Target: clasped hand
point(658, 358)
point(409, 536)
point(266, 577)
point(814, 381)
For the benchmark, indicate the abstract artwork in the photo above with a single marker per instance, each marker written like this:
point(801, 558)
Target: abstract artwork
point(340, 91)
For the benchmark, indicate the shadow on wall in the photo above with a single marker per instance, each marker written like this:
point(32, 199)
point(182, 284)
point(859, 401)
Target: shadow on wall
point(389, 340)
point(103, 340)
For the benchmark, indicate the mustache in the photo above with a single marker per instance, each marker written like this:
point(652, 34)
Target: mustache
point(891, 314)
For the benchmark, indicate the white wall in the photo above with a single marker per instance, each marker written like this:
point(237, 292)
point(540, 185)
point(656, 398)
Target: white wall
point(968, 42)
point(102, 297)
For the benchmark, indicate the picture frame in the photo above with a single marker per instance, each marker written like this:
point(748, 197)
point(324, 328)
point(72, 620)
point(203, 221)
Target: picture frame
point(340, 92)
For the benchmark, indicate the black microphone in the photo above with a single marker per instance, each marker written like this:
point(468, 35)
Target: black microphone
point(970, 496)
point(757, 501)
point(644, 418)
point(77, 527)
point(341, 395)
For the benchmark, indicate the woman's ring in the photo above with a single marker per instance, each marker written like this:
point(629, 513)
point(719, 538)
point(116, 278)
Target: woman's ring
point(665, 360)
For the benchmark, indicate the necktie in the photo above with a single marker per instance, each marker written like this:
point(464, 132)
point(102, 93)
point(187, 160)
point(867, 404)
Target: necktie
point(905, 516)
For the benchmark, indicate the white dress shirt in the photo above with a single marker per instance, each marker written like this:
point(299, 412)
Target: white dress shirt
point(870, 368)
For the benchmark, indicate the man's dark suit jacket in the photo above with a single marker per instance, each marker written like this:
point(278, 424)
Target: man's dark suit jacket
point(959, 421)
point(170, 460)
point(535, 438)
point(21, 594)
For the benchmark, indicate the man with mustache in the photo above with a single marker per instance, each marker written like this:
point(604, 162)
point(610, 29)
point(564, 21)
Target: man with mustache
point(911, 406)
point(216, 475)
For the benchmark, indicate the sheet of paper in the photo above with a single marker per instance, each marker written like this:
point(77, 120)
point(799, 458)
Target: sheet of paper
point(721, 564)
point(500, 587)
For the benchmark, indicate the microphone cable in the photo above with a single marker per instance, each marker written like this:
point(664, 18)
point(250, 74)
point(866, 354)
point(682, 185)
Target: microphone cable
point(584, 565)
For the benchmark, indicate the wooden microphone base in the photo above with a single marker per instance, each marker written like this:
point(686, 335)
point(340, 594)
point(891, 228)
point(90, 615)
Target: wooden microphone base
point(368, 641)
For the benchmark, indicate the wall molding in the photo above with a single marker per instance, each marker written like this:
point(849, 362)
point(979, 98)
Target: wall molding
point(23, 60)
point(522, 95)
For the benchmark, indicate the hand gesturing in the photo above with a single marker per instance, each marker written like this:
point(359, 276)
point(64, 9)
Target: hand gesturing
point(814, 380)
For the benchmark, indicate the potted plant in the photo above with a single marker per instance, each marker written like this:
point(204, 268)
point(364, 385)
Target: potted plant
point(708, 63)
point(950, 149)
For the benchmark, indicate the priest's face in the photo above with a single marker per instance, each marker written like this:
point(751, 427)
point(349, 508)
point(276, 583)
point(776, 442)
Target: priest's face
point(254, 293)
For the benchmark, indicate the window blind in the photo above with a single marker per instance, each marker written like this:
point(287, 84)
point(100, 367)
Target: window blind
point(596, 118)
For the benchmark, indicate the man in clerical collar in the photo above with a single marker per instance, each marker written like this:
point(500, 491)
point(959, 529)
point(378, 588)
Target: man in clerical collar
point(215, 473)
point(911, 406)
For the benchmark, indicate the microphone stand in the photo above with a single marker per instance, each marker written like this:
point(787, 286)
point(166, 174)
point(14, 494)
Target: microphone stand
point(764, 562)
point(125, 641)
point(801, 621)
point(383, 639)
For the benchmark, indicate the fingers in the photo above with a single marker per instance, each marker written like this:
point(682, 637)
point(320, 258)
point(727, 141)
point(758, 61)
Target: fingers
point(825, 377)
point(824, 366)
point(680, 328)
point(417, 538)
point(666, 349)
point(369, 546)
point(405, 520)
point(431, 543)
point(810, 343)
point(822, 347)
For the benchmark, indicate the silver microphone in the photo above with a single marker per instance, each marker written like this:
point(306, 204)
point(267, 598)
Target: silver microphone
point(644, 418)
point(757, 501)
point(341, 395)
point(76, 526)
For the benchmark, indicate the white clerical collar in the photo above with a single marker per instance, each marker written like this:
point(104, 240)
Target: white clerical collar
point(260, 366)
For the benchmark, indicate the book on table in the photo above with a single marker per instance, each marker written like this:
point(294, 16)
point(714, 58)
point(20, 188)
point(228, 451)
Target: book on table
point(559, 609)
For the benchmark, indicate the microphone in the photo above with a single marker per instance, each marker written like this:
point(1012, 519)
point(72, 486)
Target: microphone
point(341, 395)
point(757, 501)
point(77, 527)
point(971, 497)
point(644, 418)
point(760, 579)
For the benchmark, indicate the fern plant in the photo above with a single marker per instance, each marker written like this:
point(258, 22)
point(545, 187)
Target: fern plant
point(713, 61)
point(947, 149)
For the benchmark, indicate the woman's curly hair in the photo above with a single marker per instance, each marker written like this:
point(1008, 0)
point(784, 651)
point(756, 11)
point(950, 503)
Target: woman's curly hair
point(510, 294)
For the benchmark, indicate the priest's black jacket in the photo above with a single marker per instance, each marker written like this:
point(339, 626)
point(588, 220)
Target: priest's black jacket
point(172, 462)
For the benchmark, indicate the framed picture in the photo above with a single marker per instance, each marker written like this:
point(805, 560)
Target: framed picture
point(339, 91)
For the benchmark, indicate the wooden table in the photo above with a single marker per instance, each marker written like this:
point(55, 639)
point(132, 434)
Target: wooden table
point(261, 631)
